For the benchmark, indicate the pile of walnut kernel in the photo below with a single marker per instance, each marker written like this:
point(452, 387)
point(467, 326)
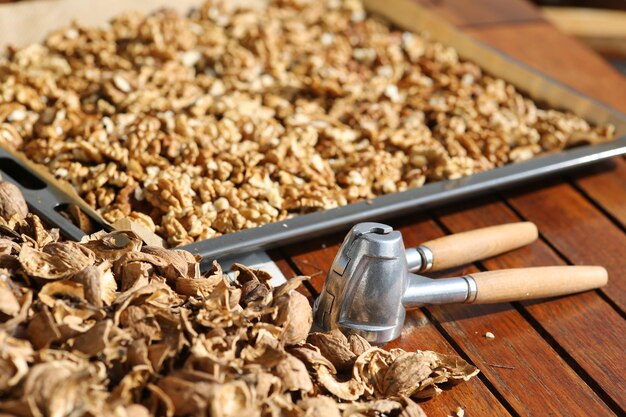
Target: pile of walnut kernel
point(111, 327)
point(232, 118)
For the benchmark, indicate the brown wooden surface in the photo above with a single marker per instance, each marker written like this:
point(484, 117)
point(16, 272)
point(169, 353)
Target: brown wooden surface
point(563, 356)
point(543, 47)
point(605, 184)
point(464, 13)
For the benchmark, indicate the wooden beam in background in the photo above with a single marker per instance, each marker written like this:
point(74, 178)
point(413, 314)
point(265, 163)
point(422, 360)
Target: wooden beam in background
point(602, 30)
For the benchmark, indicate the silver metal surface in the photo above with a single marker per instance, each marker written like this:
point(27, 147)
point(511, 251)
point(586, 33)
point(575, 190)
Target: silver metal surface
point(414, 260)
point(473, 289)
point(43, 198)
point(426, 259)
point(364, 285)
point(369, 288)
point(422, 291)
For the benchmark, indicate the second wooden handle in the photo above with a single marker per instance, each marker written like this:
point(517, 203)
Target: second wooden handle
point(527, 283)
point(467, 247)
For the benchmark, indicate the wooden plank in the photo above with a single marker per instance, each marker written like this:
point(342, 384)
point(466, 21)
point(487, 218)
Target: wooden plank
point(419, 333)
point(540, 381)
point(474, 397)
point(577, 230)
point(587, 21)
point(543, 47)
point(606, 185)
point(527, 372)
point(465, 13)
point(601, 30)
point(577, 322)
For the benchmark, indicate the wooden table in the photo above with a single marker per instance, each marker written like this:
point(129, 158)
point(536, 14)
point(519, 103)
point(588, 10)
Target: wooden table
point(564, 356)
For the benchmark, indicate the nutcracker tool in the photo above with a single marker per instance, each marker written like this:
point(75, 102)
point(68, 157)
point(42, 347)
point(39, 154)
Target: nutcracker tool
point(369, 287)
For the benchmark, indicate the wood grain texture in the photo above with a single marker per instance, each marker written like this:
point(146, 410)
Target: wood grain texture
point(465, 13)
point(585, 326)
point(606, 185)
point(473, 397)
point(520, 364)
point(508, 285)
point(541, 382)
point(543, 47)
point(467, 247)
point(601, 30)
point(577, 229)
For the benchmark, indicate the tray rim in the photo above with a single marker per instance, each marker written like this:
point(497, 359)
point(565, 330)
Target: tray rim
point(413, 200)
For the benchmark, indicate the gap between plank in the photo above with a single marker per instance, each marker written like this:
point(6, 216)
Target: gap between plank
point(565, 258)
point(536, 325)
point(576, 367)
point(480, 25)
point(294, 267)
point(561, 255)
point(596, 204)
point(481, 375)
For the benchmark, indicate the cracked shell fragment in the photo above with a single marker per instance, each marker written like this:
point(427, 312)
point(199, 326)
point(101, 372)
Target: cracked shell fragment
point(15, 356)
point(56, 260)
point(335, 346)
point(294, 375)
point(111, 246)
point(12, 203)
point(9, 298)
point(62, 386)
point(295, 315)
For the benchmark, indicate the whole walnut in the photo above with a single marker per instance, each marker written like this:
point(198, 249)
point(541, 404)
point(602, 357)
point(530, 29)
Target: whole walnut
point(12, 201)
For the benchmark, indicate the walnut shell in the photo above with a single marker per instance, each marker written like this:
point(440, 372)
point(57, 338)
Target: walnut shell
point(294, 375)
point(334, 346)
point(12, 202)
point(295, 315)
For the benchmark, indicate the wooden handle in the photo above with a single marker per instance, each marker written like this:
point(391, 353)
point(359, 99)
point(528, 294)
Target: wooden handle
point(467, 247)
point(546, 281)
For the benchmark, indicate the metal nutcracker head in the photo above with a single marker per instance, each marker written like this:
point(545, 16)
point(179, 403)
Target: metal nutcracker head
point(364, 288)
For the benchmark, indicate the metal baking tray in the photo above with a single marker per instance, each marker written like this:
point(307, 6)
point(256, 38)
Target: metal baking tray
point(45, 195)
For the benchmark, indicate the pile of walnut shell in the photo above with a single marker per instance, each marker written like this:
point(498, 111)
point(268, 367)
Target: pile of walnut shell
point(110, 327)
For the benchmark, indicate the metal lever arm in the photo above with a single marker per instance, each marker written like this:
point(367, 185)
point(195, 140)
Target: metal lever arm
point(467, 247)
point(425, 291)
